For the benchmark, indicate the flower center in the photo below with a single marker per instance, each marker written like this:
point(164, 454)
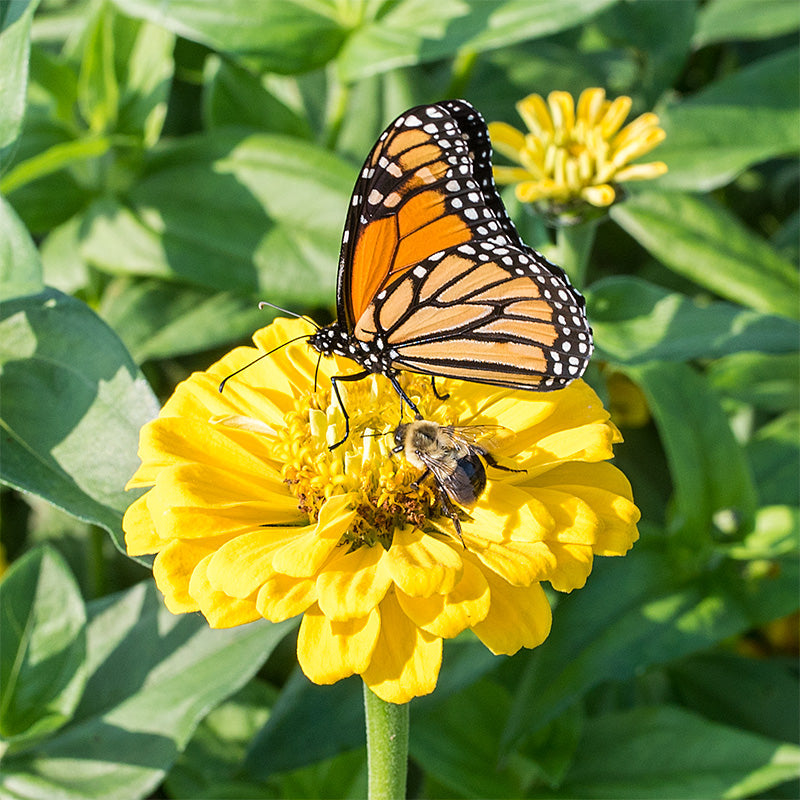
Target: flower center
point(388, 498)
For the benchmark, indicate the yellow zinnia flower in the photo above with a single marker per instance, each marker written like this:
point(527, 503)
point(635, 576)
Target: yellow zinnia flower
point(251, 515)
point(569, 158)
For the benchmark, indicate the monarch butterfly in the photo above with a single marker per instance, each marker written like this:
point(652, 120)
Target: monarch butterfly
point(453, 456)
point(433, 276)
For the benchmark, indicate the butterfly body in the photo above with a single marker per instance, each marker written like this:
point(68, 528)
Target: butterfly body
point(434, 278)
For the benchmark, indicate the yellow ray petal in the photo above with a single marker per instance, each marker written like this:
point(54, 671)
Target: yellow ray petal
point(329, 651)
point(282, 597)
point(448, 615)
point(574, 565)
point(140, 532)
point(350, 585)
point(406, 660)
point(219, 609)
point(421, 564)
point(306, 553)
point(518, 617)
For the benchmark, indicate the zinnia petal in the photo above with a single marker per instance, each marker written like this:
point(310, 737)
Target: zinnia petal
point(329, 650)
point(406, 660)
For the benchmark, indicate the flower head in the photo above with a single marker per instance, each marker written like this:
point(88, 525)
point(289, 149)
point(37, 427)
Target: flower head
point(251, 515)
point(571, 158)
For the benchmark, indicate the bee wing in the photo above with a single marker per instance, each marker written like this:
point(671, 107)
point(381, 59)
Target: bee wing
point(475, 437)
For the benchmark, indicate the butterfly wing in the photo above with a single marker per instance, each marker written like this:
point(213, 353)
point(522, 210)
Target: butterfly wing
point(426, 185)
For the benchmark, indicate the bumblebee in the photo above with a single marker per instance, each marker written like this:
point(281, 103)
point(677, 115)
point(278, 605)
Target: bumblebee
point(453, 456)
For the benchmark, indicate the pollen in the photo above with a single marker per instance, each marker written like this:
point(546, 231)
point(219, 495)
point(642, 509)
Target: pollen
point(388, 496)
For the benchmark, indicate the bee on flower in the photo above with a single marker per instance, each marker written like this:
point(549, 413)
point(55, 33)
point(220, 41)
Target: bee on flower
point(251, 514)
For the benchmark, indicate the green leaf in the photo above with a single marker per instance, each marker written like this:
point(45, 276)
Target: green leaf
point(758, 695)
point(710, 474)
point(738, 121)
point(664, 751)
point(212, 760)
point(774, 453)
point(635, 321)
point(43, 652)
point(776, 535)
point(160, 320)
point(647, 608)
point(153, 676)
point(283, 36)
point(417, 31)
point(234, 96)
point(144, 68)
point(15, 26)
point(73, 404)
point(705, 243)
point(764, 381)
point(720, 20)
point(98, 88)
point(457, 745)
point(20, 266)
point(232, 212)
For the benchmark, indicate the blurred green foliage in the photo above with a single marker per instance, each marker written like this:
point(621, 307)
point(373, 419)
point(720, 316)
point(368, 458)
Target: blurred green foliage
point(165, 164)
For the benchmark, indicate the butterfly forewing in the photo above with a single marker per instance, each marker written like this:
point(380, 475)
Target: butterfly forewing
point(426, 186)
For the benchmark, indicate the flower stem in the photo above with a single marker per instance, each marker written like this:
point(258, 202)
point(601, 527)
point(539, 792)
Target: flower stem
point(387, 747)
point(574, 247)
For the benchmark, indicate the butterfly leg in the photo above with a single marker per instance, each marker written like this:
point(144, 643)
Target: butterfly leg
point(403, 396)
point(334, 382)
point(433, 386)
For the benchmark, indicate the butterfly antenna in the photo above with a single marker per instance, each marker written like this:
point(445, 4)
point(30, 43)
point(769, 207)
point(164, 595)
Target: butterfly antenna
point(256, 360)
point(264, 303)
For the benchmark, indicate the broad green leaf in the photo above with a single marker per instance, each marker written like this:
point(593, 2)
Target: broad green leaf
point(284, 36)
point(665, 751)
point(720, 20)
point(458, 744)
point(43, 638)
point(73, 404)
point(20, 266)
point(64, 267)
point(152, 677)
point(212, 760)
point(15, 26)
point(144, 67)
point(232, 212)
point(98, 88)
point(636, 612)
point(54, 159)
point(774, 453)
point(636, 321)
point(161, 320)
point(740, 120)
point(704, 242)
point(759, 379)
point(418, 32)
point(709, 472)
point(754, 694)
point(640, 27)
point(234, 96)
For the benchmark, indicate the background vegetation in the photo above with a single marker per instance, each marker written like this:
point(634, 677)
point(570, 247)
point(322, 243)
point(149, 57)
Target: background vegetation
point(167, 163)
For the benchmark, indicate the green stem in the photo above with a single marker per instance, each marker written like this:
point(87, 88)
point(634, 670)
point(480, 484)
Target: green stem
point(574, 248)
point(387, 747)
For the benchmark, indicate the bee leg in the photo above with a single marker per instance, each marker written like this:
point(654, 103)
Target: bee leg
point(421, 478)
point(450, 511)
point(334, 382)
point(433, 386)
point(492, 463)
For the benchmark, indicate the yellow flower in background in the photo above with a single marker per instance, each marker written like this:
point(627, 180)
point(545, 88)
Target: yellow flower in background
point(251, 515)
point(574, 156)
